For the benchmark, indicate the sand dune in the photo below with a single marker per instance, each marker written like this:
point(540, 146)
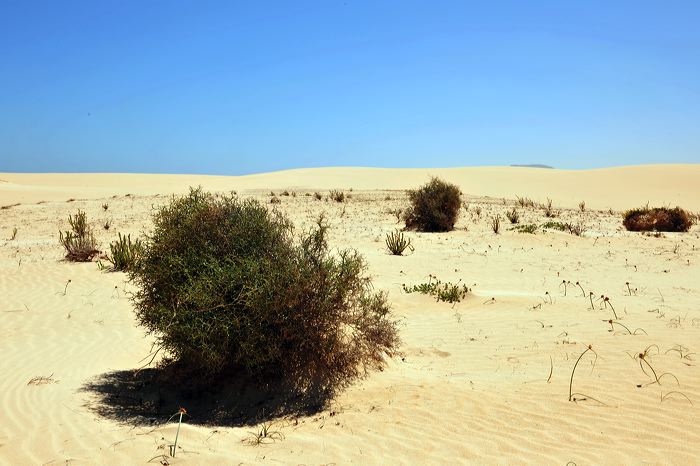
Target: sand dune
point(473, 384)
point(617, 188)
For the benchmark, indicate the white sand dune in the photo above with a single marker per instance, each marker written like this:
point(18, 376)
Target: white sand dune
point(473, 384)
point(617, 188)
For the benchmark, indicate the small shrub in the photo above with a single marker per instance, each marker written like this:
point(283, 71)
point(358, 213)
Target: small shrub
point(477, 211)
point(657, 219)
point(275, 200)
point(447, 292)
point(397, 243)
point(582, 206)
point(13, 236)
point(106, 225)
point(337, 196)
point(226, 288)
point(496, 224)
point(105, 207)
point(525, 201)
point(318, 196)
point(577, 229)
point(285, 193)
point(548, 209)
point(80, 243)
point(124, 253)
point(434, 207)
point(513, 215)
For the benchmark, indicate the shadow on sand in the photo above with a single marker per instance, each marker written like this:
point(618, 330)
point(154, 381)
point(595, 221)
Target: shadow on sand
point(150, 397)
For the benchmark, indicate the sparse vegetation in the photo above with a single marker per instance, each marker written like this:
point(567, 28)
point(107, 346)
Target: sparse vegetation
point(80, 243)
point(434, 207)
point(513, 215)
point(397, 243)
point(447, 292)
point(496, 224)
point(555, 226)
point(528, 228)
point(548, 209)
point(337, 196)
point(318, 196)
point(657, 219)
point(525, 201)
point(225, 286)
point(582, 206)
point(275, 200)
point(124, 253)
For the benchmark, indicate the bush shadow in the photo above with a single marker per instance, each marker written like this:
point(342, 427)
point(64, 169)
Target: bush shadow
point(151, 396)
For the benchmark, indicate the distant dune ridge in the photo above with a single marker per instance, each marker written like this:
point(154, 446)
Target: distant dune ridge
point(617, 188)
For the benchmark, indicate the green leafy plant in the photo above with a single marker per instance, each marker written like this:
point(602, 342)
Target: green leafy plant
point(434, 206)
point(397, 243)
point(447, 292)
point(528, 228)
point(124, 253)
point(226, 287)
point(79, 242)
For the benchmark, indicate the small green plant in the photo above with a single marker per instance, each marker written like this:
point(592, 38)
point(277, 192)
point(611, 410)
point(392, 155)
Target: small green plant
point(124, 253)
point(555, 226)
point(513, 215)
point(496, 224)
point(79, 242)
point(528, 228)
point(434, 206)
point(337, 196)
point(397, 243)
point(657, 219)
point(447, 292)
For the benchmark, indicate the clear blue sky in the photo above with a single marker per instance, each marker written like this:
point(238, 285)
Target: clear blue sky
point(240, 87)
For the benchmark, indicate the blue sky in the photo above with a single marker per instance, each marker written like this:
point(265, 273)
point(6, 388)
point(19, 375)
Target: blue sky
point(241, 87)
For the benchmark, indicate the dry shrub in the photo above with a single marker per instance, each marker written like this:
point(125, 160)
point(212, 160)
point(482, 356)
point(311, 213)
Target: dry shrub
point(79, 242)
point(227, 288)
point(434, 206)
point(657, 219)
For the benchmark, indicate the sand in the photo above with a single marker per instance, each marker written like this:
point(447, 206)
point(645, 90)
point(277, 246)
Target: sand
point(485, 381)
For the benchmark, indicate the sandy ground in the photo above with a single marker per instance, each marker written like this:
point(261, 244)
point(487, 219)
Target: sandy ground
point(483, 381)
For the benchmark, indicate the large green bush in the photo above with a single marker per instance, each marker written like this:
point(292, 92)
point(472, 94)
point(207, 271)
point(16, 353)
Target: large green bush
point(434, 206)
point(657, 219)
point(225, 286)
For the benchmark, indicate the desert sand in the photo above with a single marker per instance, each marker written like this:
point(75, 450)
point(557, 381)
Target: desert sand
point(484, 381)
